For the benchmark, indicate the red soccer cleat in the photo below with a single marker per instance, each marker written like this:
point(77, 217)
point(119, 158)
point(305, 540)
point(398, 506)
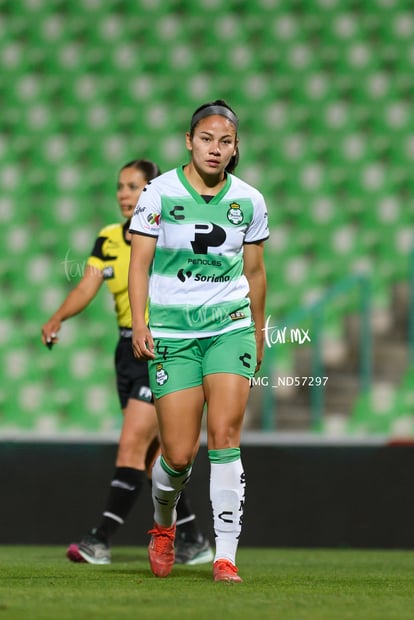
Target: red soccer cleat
point(161, 549)
point(224, 570)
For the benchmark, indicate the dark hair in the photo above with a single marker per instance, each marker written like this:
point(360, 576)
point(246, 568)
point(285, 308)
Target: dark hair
point(219, 106)
point(149, 168)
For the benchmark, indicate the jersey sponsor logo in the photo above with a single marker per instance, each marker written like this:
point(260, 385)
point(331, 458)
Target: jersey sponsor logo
point(161, 375)
point(108, 273)
point(204, 261)
point(236, 316)
point(207, 236)
point(200, 277)
point(183, 275)
point(139, 210)
point(153, 218)
point(235, 214)
point(175, 213)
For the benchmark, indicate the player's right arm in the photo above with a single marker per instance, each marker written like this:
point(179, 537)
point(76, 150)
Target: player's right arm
point(142, 254)
point(76, 301)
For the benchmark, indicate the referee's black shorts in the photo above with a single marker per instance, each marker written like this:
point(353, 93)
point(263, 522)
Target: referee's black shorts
point(131, 374)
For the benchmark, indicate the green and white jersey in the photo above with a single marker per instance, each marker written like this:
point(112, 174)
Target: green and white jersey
point(197, 286)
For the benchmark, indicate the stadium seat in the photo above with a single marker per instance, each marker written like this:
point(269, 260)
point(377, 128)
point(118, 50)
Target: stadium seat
point(326, 133)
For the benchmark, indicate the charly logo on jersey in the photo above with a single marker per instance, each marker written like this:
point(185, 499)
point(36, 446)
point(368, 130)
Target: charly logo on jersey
point(161, 375)
point(235, 214)
point(176, 212)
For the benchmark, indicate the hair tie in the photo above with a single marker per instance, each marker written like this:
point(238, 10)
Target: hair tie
point(210, 110)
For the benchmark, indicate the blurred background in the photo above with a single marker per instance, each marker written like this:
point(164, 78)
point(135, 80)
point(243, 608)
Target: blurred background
point(324, 91)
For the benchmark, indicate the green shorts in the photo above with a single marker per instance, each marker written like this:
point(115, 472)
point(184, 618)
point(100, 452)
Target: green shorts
point(182, 363)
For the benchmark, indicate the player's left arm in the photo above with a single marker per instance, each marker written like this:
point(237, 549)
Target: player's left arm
point(254, 270)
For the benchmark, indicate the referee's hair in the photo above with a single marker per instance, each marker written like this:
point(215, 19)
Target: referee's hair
point(149, 168)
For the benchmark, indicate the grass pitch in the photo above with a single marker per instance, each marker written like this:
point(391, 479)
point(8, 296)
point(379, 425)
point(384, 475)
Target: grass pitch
point(38, 583)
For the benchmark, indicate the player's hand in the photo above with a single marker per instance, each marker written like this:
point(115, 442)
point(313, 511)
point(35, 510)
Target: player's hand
point(49, 332)
point(259, 350)
point(142, 343)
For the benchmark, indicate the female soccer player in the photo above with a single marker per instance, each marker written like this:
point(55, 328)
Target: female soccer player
point(201, 231)
point(139, 441)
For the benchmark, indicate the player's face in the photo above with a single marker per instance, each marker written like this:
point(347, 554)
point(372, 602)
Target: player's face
point(213, 144)
point(131, 182)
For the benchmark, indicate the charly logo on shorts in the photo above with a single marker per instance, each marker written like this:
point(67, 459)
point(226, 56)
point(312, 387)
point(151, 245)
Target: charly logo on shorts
point(161, 375)
point(235, 214)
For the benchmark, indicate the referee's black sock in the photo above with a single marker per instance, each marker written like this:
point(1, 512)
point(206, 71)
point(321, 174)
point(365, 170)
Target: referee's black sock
point(125, 488)
point(186, 520)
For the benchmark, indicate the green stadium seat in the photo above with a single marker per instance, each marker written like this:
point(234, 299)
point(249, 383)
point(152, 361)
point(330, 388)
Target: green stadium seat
point(327, 134)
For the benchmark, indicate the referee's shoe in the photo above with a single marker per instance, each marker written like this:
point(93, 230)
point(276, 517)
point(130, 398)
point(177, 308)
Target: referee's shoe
point(190, 551)
point(91, 549)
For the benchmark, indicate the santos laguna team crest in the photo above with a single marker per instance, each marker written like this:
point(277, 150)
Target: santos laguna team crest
point(235, 214)
point(161, 375)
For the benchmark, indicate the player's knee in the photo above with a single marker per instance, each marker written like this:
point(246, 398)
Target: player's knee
point(132, 451)
point(178, 462)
